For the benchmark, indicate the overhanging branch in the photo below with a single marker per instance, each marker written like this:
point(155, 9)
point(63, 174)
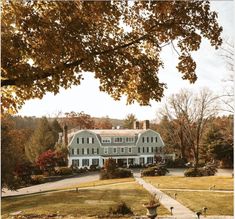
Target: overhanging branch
point(50, 72)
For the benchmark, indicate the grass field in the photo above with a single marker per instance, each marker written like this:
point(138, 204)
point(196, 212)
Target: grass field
point(85, 202)
point(216, 203)
point(180, 182)
point(100, 183)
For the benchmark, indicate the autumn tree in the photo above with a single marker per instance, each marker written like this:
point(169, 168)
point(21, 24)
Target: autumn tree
point(191, 112)
point(47, 45)
point(169, 131)
point(13, 159)
point(42, 139)
point(218, 140)
point(227, 96)
point(78, 120)
point(129, 121)
point(103, 123)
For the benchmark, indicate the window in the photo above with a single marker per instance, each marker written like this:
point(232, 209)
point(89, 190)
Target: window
point(156, 149)
point(143, 139)
point(155, 139)
point(149, 159)
point(75, 163)
point(122, 150)
point(87, 150)
point(92, 151)
point(90, 140)
point(85, 162)
point(105, 150)
point(78, 140)
point(129, 150)
point(147, 139)
point(151, 139)
point(95, 162)
point(138, 149)
point(118, 140)
point(97, 150)
point(147, 149)
point(106, 140)
point(114, 150)
point(143, 149)
point(72, 151)
point(141, 160)
point(129, 139)
point(83, 140)
point(77, 150)
point(152, 149)
point(82, 150)
point(93, 140)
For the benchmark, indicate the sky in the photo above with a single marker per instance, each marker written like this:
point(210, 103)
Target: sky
point(211, 71)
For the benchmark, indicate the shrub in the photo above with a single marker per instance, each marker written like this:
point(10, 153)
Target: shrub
point(122, 173)
point(207, 170)
point(210, 170)
point(135, 166)
point(150, 171)
point(121, 209)
point(194, 172)
point(94, 167)
point(49, 159)
point(117, 173)
point(63, 171)
point(161, 170)
point(177, 163)
point(157, 170)
point(37, 179)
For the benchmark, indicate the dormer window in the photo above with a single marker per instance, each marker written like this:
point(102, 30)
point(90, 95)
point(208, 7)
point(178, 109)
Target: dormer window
point(106, 140)
point(130, 139)
point(118, 140)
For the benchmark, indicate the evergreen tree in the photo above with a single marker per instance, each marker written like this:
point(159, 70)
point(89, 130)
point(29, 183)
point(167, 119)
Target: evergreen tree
point(56, 129)
point(42, 140)
point(129, 121)
point(56, 126)
point(218, 141)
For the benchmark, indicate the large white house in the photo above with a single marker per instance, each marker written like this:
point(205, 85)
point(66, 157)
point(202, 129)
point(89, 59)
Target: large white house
point(126, 146)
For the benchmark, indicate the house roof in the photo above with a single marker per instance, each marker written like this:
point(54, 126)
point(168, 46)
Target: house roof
point(118, 132)
point(113, 132)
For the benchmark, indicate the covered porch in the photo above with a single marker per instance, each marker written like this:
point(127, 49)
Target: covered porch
point(126, 161)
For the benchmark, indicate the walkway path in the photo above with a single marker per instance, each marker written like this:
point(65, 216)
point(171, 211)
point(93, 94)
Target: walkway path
point(179, 211)
point(198, 190)
point(167, 201)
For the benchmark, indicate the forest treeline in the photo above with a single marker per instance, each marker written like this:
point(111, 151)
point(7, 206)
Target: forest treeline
point(25, 140)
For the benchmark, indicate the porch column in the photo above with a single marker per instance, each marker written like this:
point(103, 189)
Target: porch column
point(145, 160)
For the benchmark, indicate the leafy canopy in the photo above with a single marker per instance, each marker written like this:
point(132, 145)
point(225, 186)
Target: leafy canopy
point(50, 44)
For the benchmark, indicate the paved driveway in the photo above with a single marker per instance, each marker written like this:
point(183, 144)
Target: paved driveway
point(88, 178)
point(53, 185)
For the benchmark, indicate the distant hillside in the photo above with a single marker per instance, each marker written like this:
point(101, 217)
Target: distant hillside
point(115, 122)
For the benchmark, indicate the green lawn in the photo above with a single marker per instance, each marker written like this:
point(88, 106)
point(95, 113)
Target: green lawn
point(87, 202)
point(216, 203)
point(180, 182)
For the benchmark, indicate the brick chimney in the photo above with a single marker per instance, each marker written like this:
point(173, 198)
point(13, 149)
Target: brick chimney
point(65, 132)
point(136, 125)
point(146, 124)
